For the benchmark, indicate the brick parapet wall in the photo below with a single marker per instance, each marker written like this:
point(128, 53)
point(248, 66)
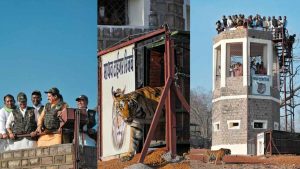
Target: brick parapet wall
point(258, 34)
point(53, 157)
point(242, 33)
point(234, 86)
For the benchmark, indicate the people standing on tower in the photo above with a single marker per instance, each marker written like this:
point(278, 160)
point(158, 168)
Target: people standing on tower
point(5, 111)
point(219, 26)
point(254, 22)
point(229, 22)
point(280, 26)
point(240, 20)
point(250, 21)
point(21, 120)
point(224, 22)
point(88, 133)
point(259, 22)
point(274, 22)
point(269, 24)
point(290, 42)
point(275, 27)
point(265, 23)
point(284, 22)
point(280, 22)
point(234, 20)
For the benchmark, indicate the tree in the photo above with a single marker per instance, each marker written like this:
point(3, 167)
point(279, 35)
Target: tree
point(201, 122)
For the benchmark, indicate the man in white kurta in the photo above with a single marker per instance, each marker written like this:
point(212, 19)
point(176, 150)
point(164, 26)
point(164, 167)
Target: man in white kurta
point(9, 105)
point(22, 120)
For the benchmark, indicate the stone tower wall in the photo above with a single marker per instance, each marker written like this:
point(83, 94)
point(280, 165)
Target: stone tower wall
point(161, 12)
point(235, 101)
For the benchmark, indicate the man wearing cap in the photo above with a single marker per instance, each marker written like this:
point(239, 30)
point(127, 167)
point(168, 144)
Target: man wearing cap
point(49, 121)
point(88, 133)
point(21, 121)
point(9, 106)
point(36, 98)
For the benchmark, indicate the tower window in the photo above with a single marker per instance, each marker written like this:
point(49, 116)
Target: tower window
point(233, 124)
point(217, 126)
point(258, 59)
point(259, 124)
point(112, 12)
point(234, 59)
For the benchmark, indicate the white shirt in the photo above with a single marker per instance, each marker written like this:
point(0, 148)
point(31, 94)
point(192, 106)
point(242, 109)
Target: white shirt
point(229, 23)
point(3, 117)
point(37, 107)
point(11, 118)
point(280, 23)
point(36, 110)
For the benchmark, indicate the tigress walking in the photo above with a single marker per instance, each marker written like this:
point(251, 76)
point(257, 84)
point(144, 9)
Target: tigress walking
point(217, 154)
point(136, 109)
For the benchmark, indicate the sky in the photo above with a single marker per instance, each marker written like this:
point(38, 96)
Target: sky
point(204, 15)
point(49, 43)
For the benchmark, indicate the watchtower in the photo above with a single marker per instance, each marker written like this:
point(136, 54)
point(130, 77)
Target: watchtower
point(246, 89)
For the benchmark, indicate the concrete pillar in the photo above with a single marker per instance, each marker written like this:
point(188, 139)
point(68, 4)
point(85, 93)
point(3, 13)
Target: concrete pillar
point(223, 64)
point(270, 61)
point(214, 68)
point(245, 62)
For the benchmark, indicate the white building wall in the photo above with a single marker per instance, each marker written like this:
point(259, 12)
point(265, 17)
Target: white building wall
point(138, 12)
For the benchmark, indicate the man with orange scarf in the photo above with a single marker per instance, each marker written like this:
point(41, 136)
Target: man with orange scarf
point(49, 121)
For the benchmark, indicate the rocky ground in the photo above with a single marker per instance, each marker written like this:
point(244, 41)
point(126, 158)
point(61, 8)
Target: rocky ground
point(198, 160)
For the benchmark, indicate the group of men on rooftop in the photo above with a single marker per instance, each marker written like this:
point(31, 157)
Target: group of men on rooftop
point(28, 127)
point(256, 22)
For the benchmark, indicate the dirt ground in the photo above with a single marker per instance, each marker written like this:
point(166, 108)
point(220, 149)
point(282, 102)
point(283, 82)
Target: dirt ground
point(250, 162)
point(154, 160)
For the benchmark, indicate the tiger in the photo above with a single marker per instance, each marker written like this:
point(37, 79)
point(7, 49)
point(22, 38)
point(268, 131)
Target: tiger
point(217, 154)
point(136, 109)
